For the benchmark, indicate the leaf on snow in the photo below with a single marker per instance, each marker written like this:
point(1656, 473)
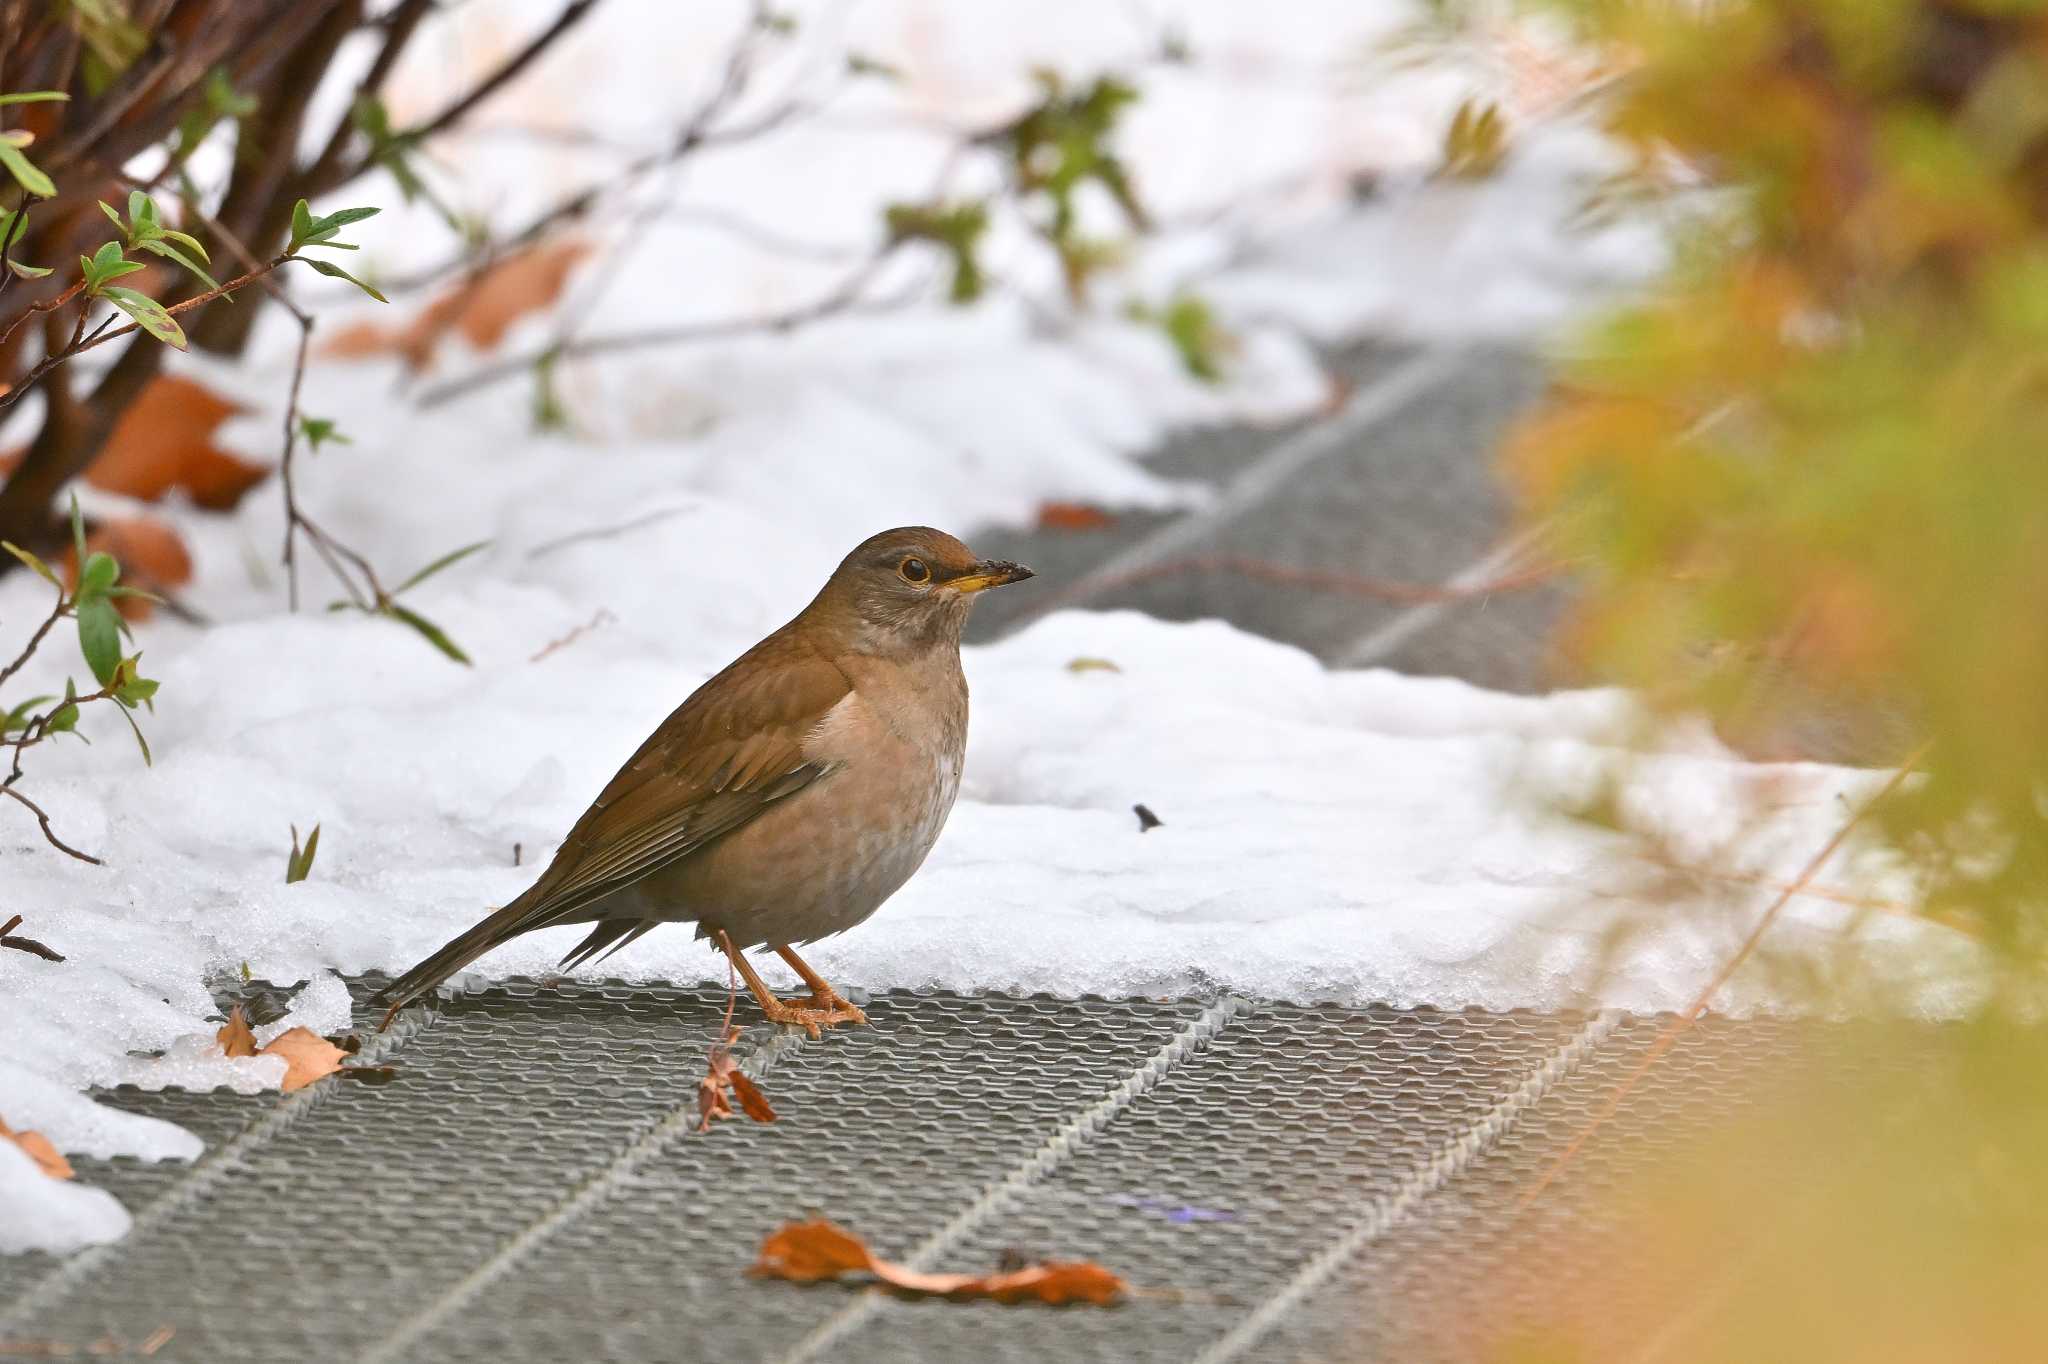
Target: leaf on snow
point(234, 1035)
point(48, 1158)
point(481, 309)
point(807, 1252)
point(164, 441)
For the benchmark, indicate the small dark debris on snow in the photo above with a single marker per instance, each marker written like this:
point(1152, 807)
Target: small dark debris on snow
point(1147, 821)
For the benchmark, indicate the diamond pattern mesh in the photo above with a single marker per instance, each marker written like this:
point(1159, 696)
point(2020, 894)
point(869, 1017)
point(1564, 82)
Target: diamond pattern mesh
point(528, 1187)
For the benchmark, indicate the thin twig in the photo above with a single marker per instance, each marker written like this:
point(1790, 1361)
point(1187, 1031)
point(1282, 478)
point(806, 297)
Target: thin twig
point(28, 945)
point(35, 640)
point(48, 833)
point(844, 300)
point(1668, 1036)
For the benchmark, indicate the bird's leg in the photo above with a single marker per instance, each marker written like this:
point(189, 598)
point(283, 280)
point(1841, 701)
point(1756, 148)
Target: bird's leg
point(808, 1018)
point(823, 996)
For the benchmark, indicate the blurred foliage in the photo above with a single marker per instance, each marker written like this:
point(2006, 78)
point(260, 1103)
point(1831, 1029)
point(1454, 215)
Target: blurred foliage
point(1811, 468)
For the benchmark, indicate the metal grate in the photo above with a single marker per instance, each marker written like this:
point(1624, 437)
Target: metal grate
point(1302, 1179)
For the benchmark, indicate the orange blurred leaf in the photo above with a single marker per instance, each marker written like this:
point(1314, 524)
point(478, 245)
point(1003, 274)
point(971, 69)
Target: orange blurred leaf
point(164, 441)
point(47, 1157)
point(1073, 516)
point(807, 1252)
point(722, 1081)
point(234, 1035)
point(481, 308)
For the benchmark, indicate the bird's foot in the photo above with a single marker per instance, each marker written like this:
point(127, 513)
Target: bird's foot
point(814, 1014)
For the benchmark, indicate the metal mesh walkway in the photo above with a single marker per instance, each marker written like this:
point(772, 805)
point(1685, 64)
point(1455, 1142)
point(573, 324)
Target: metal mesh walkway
point(1299, 1183)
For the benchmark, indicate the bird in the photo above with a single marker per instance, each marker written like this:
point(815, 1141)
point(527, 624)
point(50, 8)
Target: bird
point(788, 797)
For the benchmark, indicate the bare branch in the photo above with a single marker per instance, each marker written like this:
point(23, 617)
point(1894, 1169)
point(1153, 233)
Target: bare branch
point(49, 834)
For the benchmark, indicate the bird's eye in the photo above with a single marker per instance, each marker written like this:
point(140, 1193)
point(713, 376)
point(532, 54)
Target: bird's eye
point(915, 571)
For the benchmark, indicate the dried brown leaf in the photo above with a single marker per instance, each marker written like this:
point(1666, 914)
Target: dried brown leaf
point(164, 441)
point(752, 1101)
point(481, 308)
point(308, 1056)
point(1073, 516)
point(235, 1037)
point(807, 1252)
point(48, 1158)
point(153, 557)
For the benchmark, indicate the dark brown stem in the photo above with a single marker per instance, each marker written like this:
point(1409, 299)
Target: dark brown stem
point(49, 834)
point(29, 945)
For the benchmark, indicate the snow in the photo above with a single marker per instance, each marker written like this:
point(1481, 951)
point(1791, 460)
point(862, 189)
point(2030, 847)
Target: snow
point(1327, 835)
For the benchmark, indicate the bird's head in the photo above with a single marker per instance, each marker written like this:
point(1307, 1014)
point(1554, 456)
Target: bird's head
point(908, 589)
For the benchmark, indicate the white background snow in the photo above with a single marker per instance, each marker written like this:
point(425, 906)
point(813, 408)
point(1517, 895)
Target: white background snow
point(1328, 835)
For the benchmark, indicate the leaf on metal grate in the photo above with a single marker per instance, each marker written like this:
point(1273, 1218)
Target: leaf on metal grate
point(48, 1158)
point(308, 1056)
point(234, 1035)
point(808, 1252)
point(723, 1081)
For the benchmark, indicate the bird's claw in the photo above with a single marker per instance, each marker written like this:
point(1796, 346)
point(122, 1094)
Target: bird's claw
point(813, 1015)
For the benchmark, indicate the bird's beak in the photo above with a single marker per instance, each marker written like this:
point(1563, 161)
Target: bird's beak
point(989, 573)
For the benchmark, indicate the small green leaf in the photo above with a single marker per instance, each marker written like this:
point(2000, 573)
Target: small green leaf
point(189, 243)
point(99, 637)
point(77, 529)
point(1092, 665)
point(434, 634)
point(142, 743)
point(336, 272)
point(37, 566)
point(141, 208)
point(18, 717)
point(302, 226)
point(162, 247)
point(320, 430)
point(323, 228)
point(64, 719)
point(300, 864)
point(112, 216)
point(25, 172)
point(148, 314)
point(28, 271)
point(453, 556)
point(34, 97)
point(101, 572)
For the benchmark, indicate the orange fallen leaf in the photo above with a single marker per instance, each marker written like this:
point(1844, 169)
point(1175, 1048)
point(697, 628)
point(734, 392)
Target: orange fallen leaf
point(481, 308)
point(308, 1056)
point(234, 1035)
point(165, 441)
point(48, 1158)
point(808, 1252)
point(1073, 516)
point(723, 1079)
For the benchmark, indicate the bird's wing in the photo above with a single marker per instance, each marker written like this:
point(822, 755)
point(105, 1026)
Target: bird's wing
point(731, 750)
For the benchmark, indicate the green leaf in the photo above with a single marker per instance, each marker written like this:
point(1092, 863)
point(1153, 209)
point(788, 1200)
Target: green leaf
point(99, 637)
point(300, 864)
point(189, 243)
point(302, 226)
point(77, 529)
point(112, 216)
point(34, 97)
point(333, 271)
point(25, 173)
point(163, 248)
point(323, 228)
point(101, 571)
point(141, 208)
point(141, 742)
point(18, 717)
point(63, 720)
point(453, 556)
point(148, 314)
point(37, 566)
point(28, 271)
point(434, 634)
point(320, 430)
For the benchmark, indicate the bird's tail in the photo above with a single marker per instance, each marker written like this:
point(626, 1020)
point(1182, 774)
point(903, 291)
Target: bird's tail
point(459, 952)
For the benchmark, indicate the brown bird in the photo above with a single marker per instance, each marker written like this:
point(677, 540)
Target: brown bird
point(789, 796)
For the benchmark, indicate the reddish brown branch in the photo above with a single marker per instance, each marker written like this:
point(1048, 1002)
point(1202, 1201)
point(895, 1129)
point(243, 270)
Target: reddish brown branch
point(28, 945)
point(1668, 1036)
